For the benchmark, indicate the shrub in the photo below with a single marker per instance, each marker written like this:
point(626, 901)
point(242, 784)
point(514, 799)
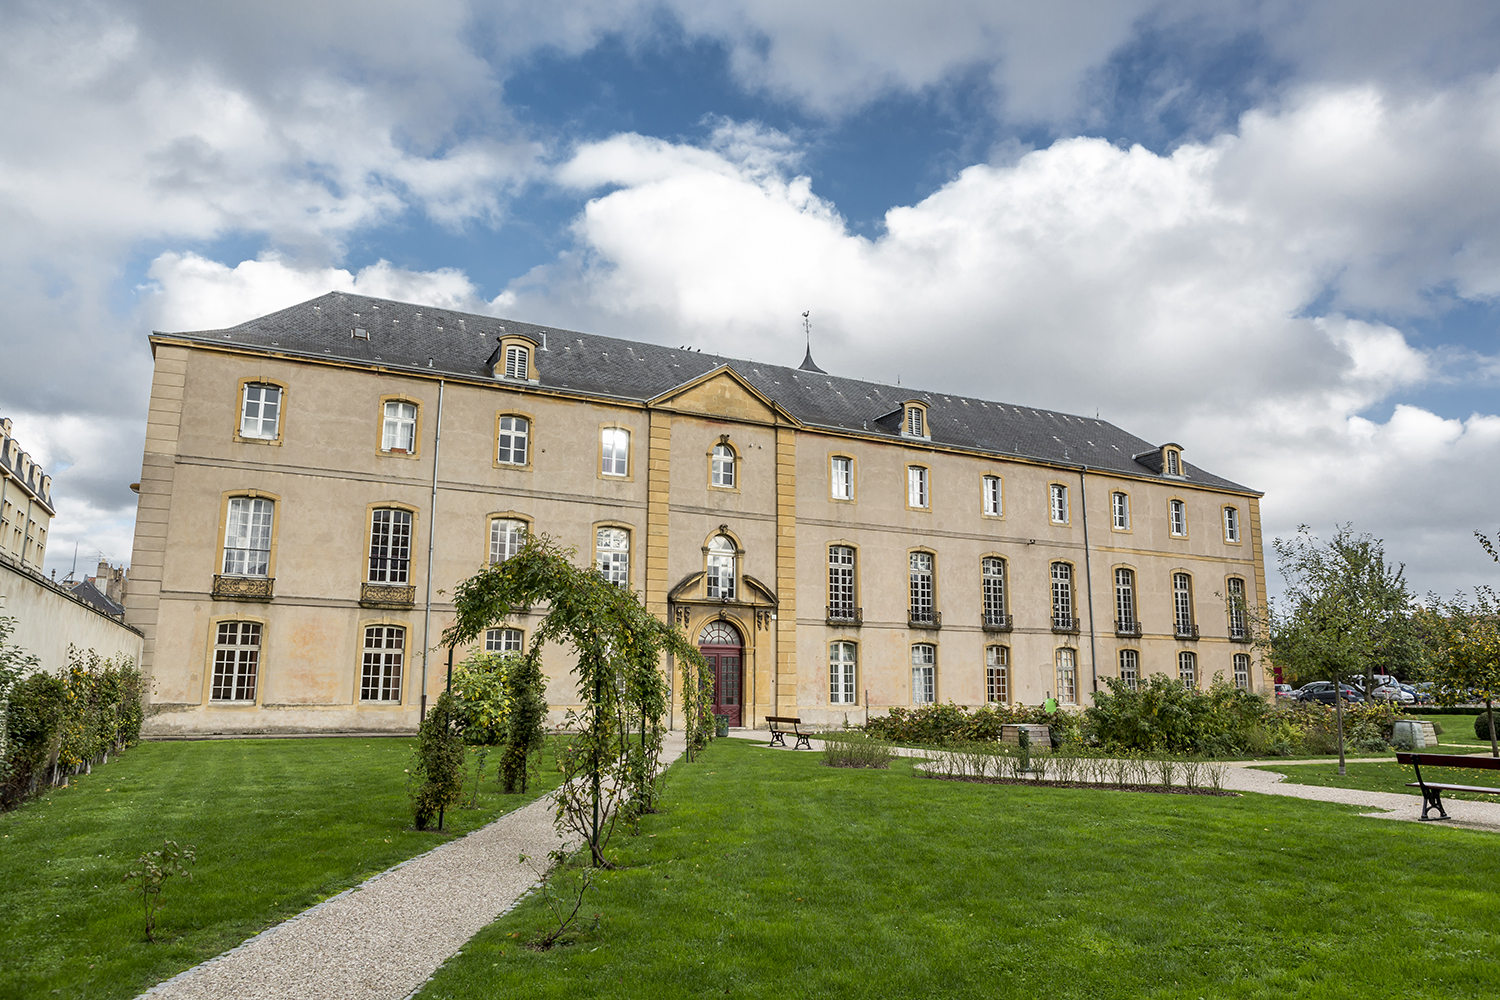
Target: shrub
point(943, 725)
point(525, 723)
point(1163, 716)
point(437, 777)
point(851, 749)
point(1484, 724)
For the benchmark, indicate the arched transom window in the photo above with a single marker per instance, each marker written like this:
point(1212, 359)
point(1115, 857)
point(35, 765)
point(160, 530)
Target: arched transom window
point(719, 575)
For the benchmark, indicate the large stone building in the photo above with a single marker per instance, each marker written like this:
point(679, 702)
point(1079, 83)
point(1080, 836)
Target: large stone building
point(25, 503)
point(316, 481)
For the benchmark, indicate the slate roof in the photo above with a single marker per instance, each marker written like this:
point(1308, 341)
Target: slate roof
point(90, 594)
point(444, 342)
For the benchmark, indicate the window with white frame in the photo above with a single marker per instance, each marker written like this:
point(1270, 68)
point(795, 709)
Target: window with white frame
point(1182, 605)
point(841, 478)
point(380, 676)
point(916, 421)
point(992, 588)
point(1178, 515)
point(1242, 671)
point(1059, 494)
point(719, 576)
point(1125, 600)
point(992, 497)
point(1119, 506)
point(1062, 597)
point(247, 537)
point(504, 640)
point(518, 362)
point(615, 451)
point(923, 673)
point(612, 555)
point(842, 673)
point(1231, 524)
point(997, 675)
point(921, 610)
point(916, 486)
point(236, 661)
point(1174, 462)
point(506, 538)
point(390, 546)
point(1187, 668)
point(841, 605)
point(1130, 668)
point(399, 432)
point(514, 439)
point(1067, 675)
point(260, 411)
point(1234, 589)
point(722, 471)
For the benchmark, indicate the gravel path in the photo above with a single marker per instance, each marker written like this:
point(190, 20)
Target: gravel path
point(384, 938)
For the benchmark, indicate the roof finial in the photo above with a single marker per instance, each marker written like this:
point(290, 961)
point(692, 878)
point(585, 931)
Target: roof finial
point(808, 365)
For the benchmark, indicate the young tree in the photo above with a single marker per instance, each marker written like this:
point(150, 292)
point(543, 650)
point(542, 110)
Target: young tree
point(618, 647)
point(1464, 637)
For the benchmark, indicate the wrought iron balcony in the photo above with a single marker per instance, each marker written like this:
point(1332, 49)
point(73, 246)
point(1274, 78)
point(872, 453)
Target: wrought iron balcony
point(1186, 631)
point(1238, 633)
point(243, 588)
point(385, 595)
point(1128, 628)
point(924, 618)
point(1060, 624)
point(845, 615)
point(999, 623)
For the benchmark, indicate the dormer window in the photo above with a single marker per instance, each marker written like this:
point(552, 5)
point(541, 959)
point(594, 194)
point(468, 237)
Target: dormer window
point(515, 358)
point(1171, 461)
point(517, 362)
point(915, 422)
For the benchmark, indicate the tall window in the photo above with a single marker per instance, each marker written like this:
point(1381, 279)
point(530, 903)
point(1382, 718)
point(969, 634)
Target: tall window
point(615, 451)
point(1242, 671)
point(842, 673)
point(722, 473)
point(1130, 668)
point(1179, 518)
point(992, 582)
point(921, 610)
point(390, 546)
point(992, 498)
point(517, 362)
point(841, 582)
point(261, 411)
point(380, 679)
point(612, 555)
point(841, 478)
point(1067, 676)
point(1182, 605)
point(916, 486)
point(1125, 601)
point(719, 580)
point(1062, 597)
point(923, 673)
point(915, 424)
point(504, 640)
point(236, 661)
point(506, 538)
point(1174, 462)
point(399, 433)
point(247, 537)
point(1059, 494)
point(1119, 505)
point(1231, 524)
point(1235, 590)
point(997, 675)
point(514, 435)
point(1187, 668)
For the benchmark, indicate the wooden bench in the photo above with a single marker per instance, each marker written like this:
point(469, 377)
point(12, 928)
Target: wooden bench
point(1039, 738)
point(779, 732)
point(1432, 793)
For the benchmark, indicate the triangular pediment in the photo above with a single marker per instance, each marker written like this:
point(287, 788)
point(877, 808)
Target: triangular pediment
point(724, 395)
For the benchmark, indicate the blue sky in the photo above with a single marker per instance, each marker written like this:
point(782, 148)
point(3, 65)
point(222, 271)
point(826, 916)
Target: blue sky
point(1266, 230)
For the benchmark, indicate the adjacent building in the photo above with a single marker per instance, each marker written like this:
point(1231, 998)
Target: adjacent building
point(316, 481)
point(25, 503)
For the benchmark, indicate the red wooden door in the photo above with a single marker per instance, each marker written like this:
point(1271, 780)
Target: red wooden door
point(721, 647)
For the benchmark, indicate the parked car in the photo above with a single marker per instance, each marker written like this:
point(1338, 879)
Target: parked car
point(1284, 691)
point(1395, 693)
point(1322, 691)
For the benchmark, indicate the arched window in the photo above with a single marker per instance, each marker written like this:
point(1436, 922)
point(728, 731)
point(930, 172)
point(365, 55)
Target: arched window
point(504, 640)
point(1235, 592)
point(1062, 598)
point(1067, 676)
point(841, 606)
point(997, 675)
point(380, 678)
point(506, 538)
point(1242, 671)
point(236, 661)
point(842, 673)
point(1130, 667)
point(390, 546)
point(247, 536)
point(992, 582)
point(1125, 620)
point(613, 555)
point(719, 575)
point(722, 467)
point(1187, 668)
point(1182, 606)
point(399, 433)
point(923, 673)
point(922, 611)
point(518, 362)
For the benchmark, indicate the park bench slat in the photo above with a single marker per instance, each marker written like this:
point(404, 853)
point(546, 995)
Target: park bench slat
point(1432, 792)
point(778, 734)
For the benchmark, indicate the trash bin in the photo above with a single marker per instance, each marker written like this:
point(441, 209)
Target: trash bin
point(721, 725)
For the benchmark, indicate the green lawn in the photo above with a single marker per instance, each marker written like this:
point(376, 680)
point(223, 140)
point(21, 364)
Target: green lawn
point(278, 825)
point(1457, 729)
point(769, 875)
point(1387, 777)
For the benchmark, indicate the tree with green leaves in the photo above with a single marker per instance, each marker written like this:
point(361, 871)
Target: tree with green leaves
point(1464, 638)
point(611, 759)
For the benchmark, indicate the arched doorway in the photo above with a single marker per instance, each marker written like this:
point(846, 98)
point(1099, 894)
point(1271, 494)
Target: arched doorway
point(722, 647)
